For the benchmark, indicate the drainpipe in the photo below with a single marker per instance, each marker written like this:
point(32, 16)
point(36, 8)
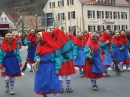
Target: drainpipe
point(82, 18)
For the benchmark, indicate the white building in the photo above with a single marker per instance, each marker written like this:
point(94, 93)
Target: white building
point(90, 15)
point(10, 18)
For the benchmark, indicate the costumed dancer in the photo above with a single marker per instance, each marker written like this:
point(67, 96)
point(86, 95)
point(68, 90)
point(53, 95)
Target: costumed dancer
point(67, 66)
point(19, 43)
point(126, 49)
point(105, 43)
point(10, 62)
point(79, 55)
point(117, 47)
point(48, 64)
point(31, 42)
point(93, 65)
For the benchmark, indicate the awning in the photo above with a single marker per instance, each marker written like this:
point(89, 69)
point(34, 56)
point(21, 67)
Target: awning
point(4, 26)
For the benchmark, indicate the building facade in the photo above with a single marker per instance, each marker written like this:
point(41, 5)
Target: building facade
point(89, 15)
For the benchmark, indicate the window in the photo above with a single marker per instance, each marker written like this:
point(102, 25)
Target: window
point(60, 3)
point(100, 28)
point(72, 29)
point(116, 27)
point(106, 1)
point(100, 14)
point(91, 28)
point(62, 28)
point(123, 15)
point(70, 2)
point(116, 15)
point(109, 27)
point(124, 27)
point(71, 15)
point(61, 16)
point(52, 4)
point(91, 14)
point(108, 15)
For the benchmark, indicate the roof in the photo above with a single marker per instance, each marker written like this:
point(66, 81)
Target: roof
point(118, 2)
point(31, 22)
point(13, 16)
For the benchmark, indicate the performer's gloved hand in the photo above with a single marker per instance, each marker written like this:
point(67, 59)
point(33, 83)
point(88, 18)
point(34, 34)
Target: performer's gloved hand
point(75, 57)
point(1, 66)
point(20, 64)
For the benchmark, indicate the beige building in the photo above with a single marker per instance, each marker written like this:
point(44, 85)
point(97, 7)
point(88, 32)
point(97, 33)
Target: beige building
point(90, 15)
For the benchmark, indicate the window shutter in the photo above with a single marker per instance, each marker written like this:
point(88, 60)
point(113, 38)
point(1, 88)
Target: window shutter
point(114, 27)
point(103, 27)
point(88, 13)
point(106, 14)
point(73, 14)
point(126, 27)
point(118, 15)
point(98, 14)
point(119, 27)
point(69, 28)
point(72, 2)
point(93, 14)
point(58, 3)
point(121, 15)
point(98, 28)
point(111, 14)
point(114, 14)
point(54, 4)
point(126, 15)
point(50, 4)
point(67, 2)
point(58, 17)
point(94, 28)
point(69, 15)
point(63, 16)
point(62, 2)
point(103, 14)
point(122, 28)
point(88, 28)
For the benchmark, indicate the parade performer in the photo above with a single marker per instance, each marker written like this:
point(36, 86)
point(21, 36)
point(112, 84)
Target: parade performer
point(19, 43)
point(31, 42)
point(105, 43)
point(10, 62)
point(47, 58)
point(79, 55)
point(67, 66)
point(117, 47)
point(126, 49)
point(93, 65)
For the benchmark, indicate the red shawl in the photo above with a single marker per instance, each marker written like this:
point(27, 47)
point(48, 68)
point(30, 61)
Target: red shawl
point(72, 37)
point(17, 36)
point(32, 38)
point(60, 37)
point(124, 39)
point(48, 46)
point(104, 37)
point(4, 45)
point(79, 42)
point(93, 45)
point(117, 41)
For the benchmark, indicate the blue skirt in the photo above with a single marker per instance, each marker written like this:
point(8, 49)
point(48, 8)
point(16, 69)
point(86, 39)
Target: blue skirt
point(10, 63)
point(107, 58)
point(118, 54)
point(46, 81)
point(80, 60)
point(31, 53)
point(126, 54)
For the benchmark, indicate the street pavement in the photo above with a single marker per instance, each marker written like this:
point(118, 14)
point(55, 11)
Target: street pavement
point(114, 86)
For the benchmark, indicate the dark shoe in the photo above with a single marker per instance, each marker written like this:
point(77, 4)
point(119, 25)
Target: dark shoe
point(81, 75)
point(31, 70)
point(69, 90)
point(62, 90)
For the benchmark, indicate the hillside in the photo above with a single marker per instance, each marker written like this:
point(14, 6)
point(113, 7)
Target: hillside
point(25, 7)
